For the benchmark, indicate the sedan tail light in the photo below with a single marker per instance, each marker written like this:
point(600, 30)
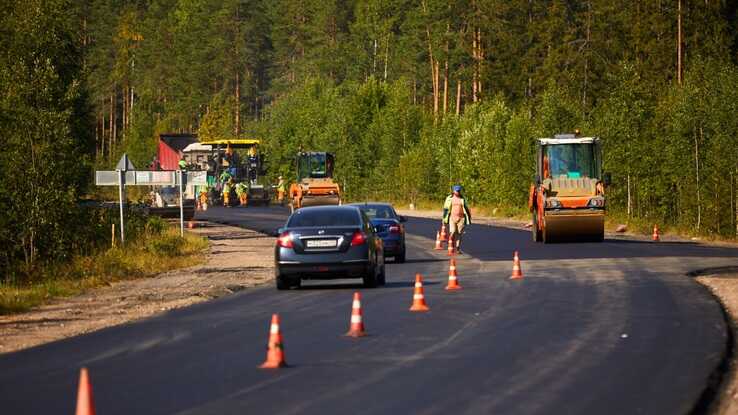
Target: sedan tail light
point(395, 229)
point(359, 238)
point(285, 240)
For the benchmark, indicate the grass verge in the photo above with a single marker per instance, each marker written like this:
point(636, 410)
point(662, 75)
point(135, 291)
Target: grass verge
point(148, 255)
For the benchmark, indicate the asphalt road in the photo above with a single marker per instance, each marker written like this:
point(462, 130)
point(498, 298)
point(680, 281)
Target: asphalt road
point(594, 328)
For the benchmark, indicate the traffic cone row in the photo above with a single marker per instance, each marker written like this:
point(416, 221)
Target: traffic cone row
point(275, 347)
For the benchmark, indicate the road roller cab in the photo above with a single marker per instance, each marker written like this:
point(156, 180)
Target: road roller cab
point(315, 185)
point(567, 199)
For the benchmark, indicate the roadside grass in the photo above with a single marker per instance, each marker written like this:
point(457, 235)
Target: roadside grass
point(148, 255)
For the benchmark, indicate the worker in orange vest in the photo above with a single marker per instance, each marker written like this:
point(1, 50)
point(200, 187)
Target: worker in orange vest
point(456, 215)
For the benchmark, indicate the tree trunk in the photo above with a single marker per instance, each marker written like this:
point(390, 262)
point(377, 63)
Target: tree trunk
point(475, 74)
point(111, 128)
point(630, 199)
point(445, 87)
point(458, 97)
point(586, 59)
point(480, 58)
point(238, 105)
point(386, 56)
point(697, 176)
point(680, 51)
point(437, 87)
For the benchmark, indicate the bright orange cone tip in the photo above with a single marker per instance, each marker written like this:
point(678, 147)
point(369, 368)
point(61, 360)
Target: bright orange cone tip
point(453, 277)
point(356, 328)
point(418, 295)
point(275, 348)
point(517, 273)
point(85, 403)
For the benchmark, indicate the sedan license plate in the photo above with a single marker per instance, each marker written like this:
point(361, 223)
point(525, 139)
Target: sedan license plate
point(321, 243)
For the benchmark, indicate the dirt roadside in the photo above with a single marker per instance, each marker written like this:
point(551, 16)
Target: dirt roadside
point(725, 287)
point(237, 259)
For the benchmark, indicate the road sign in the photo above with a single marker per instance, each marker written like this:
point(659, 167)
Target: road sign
point(127, 175)
point(150, 178)
point(124, 164)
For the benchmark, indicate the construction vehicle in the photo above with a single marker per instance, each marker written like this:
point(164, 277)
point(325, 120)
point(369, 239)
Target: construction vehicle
point(315, 185)
point(238, 159)
point(567, 200)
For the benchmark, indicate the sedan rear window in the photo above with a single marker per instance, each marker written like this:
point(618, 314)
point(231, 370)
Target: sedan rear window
point(324, 217)
point(379, 212)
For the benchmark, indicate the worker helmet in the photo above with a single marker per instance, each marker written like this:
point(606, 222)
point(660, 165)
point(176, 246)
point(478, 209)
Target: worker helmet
point(456, 188)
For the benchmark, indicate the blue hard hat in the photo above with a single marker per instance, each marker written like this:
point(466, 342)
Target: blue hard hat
point(456, 188)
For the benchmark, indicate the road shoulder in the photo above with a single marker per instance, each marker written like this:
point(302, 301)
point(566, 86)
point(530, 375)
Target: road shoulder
point(725, 287)
point(237, 259)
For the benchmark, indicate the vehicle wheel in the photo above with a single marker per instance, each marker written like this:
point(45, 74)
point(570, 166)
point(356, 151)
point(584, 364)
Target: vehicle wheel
point(370, 278)
point(287, 283)
point(282, 284)
point(399, 259)
point(382, 279)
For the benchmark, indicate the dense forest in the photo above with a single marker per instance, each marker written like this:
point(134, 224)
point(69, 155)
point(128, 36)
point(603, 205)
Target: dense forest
point(412, 96)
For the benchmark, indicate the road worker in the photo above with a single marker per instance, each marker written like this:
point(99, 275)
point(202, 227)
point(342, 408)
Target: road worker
point(457, 216)
point(281, 189)
point(182, 164)
point(242, 191)
point(227, 186)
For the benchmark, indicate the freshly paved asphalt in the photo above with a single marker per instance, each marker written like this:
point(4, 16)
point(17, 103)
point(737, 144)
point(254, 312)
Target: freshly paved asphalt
point(606, 328)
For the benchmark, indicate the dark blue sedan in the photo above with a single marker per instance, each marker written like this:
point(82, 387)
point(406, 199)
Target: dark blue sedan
point(389, 227)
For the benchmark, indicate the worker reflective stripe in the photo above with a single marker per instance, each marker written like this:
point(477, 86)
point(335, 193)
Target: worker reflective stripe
point(356, 318)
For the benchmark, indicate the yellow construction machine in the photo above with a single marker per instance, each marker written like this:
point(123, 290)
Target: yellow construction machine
point(567, 199)
point(315, 185)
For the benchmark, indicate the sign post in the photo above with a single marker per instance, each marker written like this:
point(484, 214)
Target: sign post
point(125, 174)
point(122, 167)
point(181, 204)
point(121, 183)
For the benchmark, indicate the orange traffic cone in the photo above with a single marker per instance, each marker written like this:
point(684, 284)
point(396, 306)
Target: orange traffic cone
point(444, 236)
point(451, 246)
point(356, 329)
point(85, 403)
point(191, 224)
point(453, 280)
point(655, 237)
point(418, 296)
point(438, 242)
point(275, 348)
point(517, 273)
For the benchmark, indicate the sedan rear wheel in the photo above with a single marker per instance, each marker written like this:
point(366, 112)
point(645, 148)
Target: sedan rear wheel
point(287, 283)
point(382, 279)
point(401, 257)
point(370, 279)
